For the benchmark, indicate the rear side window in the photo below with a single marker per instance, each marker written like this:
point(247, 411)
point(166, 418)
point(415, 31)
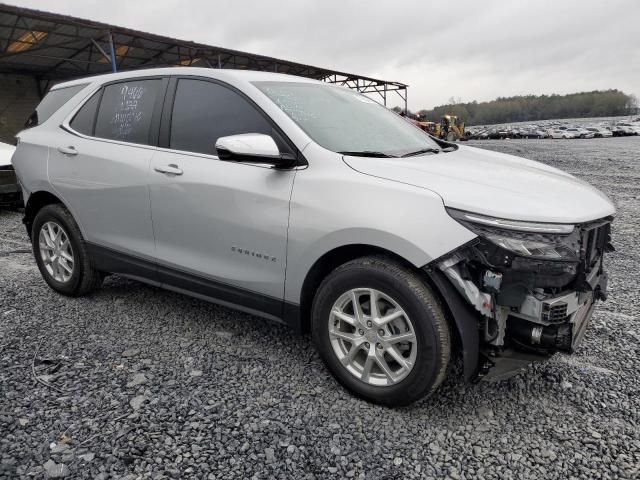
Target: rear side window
point(84, 121)
point(126, 111)
point(205, 111)
point(51, 103)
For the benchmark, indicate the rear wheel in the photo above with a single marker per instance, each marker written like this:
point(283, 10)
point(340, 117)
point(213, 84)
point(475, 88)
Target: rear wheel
point(381, 331)
point(61, 253)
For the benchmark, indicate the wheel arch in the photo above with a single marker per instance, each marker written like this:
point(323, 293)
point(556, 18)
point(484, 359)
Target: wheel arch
point(323, 266)
point(35, 202)
point(461, 320)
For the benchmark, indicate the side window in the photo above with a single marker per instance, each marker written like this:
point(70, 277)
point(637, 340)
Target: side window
point(85, 119)
point(205, 111)
point(51, 102)
point(126, 111)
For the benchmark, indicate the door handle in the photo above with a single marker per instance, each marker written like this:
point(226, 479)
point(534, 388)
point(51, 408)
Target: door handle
point(171, 169)
point(70, 150)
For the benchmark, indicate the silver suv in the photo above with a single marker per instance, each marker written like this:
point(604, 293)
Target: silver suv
point(313, 205)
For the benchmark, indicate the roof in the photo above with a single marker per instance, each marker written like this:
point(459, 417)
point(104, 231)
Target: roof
point(52, 47)
point(223, 74)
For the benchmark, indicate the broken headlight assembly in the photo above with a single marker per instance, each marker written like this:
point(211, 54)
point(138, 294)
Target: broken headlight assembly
point(546, 241)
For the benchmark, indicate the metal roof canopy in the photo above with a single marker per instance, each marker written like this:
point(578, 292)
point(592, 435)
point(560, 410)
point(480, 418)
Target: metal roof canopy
point(50, 46)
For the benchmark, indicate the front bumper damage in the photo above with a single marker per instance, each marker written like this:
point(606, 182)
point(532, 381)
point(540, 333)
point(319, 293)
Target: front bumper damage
point(522, 309)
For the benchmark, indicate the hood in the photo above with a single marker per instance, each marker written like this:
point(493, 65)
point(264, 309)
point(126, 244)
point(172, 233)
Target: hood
point(494, 184)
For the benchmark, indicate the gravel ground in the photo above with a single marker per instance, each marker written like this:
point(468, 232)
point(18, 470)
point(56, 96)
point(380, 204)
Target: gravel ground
point(149, 384)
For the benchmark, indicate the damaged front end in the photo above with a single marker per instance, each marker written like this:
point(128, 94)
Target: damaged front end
point(531, 288)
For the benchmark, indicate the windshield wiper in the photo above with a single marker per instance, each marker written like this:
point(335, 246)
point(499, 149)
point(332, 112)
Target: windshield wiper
point(368, 153)
point(421, 151)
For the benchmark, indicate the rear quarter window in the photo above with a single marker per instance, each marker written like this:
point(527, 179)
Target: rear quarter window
point(51, 103)
point(84, 121)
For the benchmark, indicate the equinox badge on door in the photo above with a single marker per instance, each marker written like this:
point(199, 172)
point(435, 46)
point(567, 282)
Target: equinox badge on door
point(244, 251)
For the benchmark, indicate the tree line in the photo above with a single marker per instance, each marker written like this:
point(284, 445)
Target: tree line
point(599, 103)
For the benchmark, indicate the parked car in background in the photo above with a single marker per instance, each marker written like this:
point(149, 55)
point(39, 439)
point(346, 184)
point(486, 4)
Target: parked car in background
point(561, 134)
point(10, 192)
point(534, 132)
point(600, 132)
point(280, 196)
point(579, 132)
point(625, 129)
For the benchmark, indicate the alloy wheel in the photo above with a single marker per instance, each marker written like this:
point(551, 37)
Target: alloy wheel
point(372, 336)
point(56, 252)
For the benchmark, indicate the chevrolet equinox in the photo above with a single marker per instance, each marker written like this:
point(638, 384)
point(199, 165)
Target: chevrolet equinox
point(313, 205)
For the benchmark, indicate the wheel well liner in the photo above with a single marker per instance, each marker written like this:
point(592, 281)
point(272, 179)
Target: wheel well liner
point(465, 320)
point(36, 201)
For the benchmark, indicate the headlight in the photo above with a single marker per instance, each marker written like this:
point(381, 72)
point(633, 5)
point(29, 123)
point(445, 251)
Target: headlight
point(550, 241)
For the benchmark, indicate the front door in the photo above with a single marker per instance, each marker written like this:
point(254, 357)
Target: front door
point(220, 227)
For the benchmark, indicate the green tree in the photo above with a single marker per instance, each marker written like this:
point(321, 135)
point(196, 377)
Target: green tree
point(537, 107)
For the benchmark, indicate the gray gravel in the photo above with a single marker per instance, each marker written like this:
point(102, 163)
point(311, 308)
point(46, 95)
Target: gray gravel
point(149, 384)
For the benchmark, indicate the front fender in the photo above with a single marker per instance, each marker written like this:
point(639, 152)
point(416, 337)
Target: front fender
point(297, 268)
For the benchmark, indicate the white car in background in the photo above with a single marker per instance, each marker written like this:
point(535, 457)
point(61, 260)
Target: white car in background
point(627, 128)
point(561, 134)
point(10, 194)
point(6, 151)
point(600, 132)
point(580, 132)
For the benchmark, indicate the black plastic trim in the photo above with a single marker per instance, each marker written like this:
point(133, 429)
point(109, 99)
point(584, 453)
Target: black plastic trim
point(221, 291)
point(292, 316)
point(112, 261)
point(109, 260)
point(466, 321)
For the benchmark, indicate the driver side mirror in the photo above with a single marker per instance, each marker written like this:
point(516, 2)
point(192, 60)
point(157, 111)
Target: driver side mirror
point(252, 148)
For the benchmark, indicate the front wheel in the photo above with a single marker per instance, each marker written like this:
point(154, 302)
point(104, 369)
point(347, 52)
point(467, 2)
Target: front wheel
point(61, 253)
point(381, 331)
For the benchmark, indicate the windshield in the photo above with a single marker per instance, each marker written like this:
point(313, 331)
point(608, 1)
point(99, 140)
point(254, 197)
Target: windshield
point(342, 120)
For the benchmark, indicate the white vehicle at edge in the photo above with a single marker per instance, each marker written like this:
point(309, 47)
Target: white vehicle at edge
point(6, 152)
point(628, 128)
point(10, 194)
point(311, 204)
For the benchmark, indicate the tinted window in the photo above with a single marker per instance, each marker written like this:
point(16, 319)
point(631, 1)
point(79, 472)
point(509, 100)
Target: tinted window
point(84, 120)
point(126, 111)
point(51, 103)
point(205, 111)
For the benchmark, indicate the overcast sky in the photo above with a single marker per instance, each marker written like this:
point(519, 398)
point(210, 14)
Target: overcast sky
point(473, 50)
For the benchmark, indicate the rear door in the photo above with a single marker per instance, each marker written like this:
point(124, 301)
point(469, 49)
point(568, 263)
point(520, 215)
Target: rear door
point(100, 164)
point(220, 227)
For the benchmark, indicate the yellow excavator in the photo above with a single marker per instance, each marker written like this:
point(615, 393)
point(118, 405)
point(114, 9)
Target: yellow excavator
point(447, 129)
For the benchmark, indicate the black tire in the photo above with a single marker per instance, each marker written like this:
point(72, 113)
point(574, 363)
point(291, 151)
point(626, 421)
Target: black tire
point(433, 339)
point(84, 278)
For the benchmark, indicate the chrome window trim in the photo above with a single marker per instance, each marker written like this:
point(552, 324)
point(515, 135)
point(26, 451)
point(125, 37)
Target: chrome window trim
point(56, 88)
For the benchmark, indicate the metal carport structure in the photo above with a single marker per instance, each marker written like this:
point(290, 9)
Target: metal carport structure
point(50, 47)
